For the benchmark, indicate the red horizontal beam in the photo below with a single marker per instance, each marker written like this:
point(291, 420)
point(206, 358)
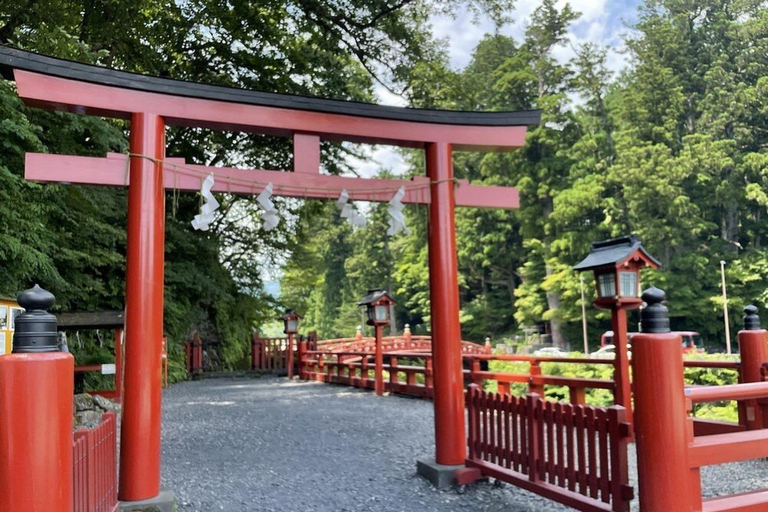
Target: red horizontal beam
point(725, 448)
point(700, 394)
point(755, 501)
point(87, 98)
point(112, 171)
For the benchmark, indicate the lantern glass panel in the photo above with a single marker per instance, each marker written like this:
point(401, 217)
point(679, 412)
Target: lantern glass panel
point(370, 313)
point(382, 312)
point(628, 282)
point(607, 284)
point(292, 325)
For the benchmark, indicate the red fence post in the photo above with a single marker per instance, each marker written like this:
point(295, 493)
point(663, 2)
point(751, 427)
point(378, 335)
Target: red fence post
point(533, 425)
point(119, 364)
point(289, 361)
point(660, 412)
point(36, 388)
point(753, 347)
point(534, 386)
point(255, 351)
point(378, 384)
point(302, 351)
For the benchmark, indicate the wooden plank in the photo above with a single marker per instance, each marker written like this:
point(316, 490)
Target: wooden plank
point(560, 443)
point(571, 459)
point(755, 501)
point(518, 447)
point(549, 421)
point(492, 455)
point(724, 448)
point(582, 448)
point(549, 491)
point(591, 435)
point(605, 477)
point(508, 430)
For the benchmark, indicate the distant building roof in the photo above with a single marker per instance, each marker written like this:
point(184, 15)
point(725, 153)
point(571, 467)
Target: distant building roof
point(613, 252)
point(91, 320)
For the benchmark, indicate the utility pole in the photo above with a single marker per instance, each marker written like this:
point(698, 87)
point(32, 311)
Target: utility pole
point(584, 316)
point(725, 309)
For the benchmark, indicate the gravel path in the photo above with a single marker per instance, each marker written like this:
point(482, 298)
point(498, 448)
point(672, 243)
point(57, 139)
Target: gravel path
point(272, 445)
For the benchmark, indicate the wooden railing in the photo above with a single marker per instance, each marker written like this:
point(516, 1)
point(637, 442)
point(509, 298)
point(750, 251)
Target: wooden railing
point(573, 454)
point(410, 373)
point(95, 467)
point(269, 354)
point(535, 378)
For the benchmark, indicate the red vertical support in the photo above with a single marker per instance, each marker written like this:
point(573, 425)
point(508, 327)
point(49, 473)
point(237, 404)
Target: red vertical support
point(119, 364)
point(753, 345)
point(450, 438)
point(378, 383)
point(302, 351)
point(36, 464)
point(255, 348)
point(140, 432)
point(623, 391)
point(289, 363)
point(660, 421)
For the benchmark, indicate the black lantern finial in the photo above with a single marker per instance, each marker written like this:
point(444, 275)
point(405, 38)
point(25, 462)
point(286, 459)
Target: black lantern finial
point(35, 328)
point(751, 320)
point(654, 318)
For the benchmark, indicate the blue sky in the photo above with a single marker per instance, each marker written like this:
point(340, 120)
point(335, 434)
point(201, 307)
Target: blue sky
point(602, 21)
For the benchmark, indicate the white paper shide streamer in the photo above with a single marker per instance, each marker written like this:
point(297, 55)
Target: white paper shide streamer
point(203, 220)
point(396, 215)
point(348, 211)
point(269, 218)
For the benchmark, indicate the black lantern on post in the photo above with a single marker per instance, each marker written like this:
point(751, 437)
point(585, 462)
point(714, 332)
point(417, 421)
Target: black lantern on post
point(617, 263)
point(291, 320)
point(378, 304)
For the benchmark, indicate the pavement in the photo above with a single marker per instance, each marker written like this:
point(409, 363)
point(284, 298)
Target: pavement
point(247, 445)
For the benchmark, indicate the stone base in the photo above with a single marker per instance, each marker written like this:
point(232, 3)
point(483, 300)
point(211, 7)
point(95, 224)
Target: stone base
point(163, 502)
point(440, 475)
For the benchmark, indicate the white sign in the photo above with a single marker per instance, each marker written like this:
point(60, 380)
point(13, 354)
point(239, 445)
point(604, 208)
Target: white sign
point(108, 369)
point(2, 343)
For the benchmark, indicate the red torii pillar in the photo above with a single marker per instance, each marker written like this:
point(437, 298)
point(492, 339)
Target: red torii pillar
point(145, 263)
point(450, 435)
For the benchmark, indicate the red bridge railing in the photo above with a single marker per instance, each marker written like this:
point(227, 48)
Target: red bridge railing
point(573, 454)
point(95, 467)
point(410, 373)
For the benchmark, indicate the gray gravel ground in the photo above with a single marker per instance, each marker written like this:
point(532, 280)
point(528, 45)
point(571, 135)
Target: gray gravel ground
point(272, 445)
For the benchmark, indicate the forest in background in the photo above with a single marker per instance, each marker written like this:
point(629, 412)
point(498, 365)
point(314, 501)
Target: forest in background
point(674, 148)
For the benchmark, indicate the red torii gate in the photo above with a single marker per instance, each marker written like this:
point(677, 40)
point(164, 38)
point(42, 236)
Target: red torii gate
point(152, 103)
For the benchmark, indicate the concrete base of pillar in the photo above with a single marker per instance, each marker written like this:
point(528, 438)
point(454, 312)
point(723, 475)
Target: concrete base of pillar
point(440, 475)
point(163, 502)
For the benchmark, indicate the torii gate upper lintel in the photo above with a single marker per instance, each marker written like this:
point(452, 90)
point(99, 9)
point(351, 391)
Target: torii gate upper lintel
point(152, 103)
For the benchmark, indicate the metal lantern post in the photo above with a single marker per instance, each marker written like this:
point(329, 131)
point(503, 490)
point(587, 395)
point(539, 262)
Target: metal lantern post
point(617, 263)
point(378, 305)
point(291, 319)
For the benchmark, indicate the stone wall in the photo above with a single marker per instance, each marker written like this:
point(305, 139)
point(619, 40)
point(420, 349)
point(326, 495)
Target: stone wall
point(90, 408)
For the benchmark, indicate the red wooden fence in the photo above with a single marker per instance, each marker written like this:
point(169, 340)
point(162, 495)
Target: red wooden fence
point(95, 467)
point(269, 354)
point(573, 454)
